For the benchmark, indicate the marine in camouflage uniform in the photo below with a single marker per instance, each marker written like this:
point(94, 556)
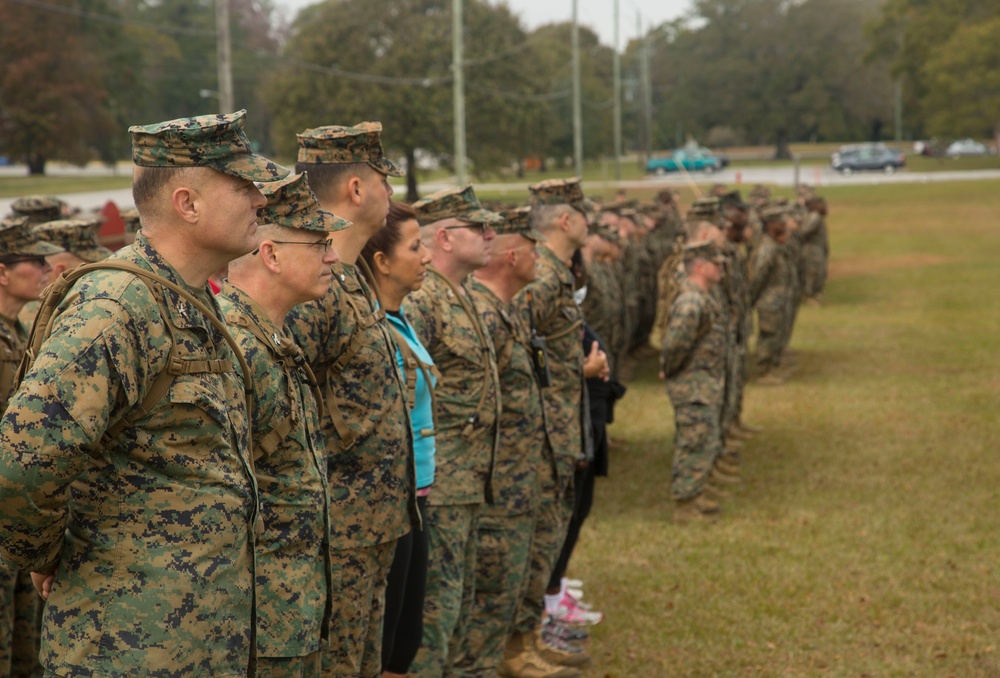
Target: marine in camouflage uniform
point(37, 209)
point(506, 526)
point(736, 214)
point(559, 212)
point(693, 362)
point(23, 259)
point(770, 293)
point(815, 248)
point(445, 317)
point(347, 340)
point(294, 598)
point(145, 514)
point(601, 307)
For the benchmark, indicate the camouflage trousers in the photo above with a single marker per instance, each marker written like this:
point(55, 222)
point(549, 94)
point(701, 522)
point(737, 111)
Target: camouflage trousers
point(771, 335)
point(728, 412)
point(290, 667)
point(555, 508)
point(358, 582)
point(735, 383)
point(451, 579)
point(20, 625)
point(697, 444)
point(815, 270)
point(501, 572)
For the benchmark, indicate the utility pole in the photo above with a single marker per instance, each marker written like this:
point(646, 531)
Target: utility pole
point(617, 74)
point(577, 97)
point(225, 56)
point(647, 93)
point(458, 90)
point(899, 114)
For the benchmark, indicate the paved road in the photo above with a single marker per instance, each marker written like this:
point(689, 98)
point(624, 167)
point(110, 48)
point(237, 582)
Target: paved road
point(820, 175)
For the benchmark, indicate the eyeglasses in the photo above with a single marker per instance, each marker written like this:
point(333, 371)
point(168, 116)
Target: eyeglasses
point(475, 227)
point(325, 244)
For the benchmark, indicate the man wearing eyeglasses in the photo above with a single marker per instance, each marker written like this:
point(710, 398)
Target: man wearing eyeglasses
point(459, 234)
point(366, 428)
point(291, 265)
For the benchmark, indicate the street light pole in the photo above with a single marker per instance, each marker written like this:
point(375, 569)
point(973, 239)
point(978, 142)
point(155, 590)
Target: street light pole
point(225, 55)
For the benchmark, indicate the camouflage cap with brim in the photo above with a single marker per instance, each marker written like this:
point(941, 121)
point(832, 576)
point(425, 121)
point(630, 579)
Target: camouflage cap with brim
point(76, 236)
point(559, 192)
point(609, 234)
point(774, 213)
point(733, 199)
point(17, 239)
point(706, 249)
point(214, 141)
point(704, 209)
point(37, 205)
point(291, 203)
point(518, 222)
point(338, 145)
point(454, 203)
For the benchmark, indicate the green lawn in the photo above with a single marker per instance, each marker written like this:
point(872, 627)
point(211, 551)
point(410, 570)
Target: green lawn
point(864, 540)
point(11, 187)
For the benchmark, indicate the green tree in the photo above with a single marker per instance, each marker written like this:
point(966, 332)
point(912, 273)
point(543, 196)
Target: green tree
point(52, 97)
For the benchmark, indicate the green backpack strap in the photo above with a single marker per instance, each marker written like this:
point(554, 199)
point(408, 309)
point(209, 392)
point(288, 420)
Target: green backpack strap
point(53, 295)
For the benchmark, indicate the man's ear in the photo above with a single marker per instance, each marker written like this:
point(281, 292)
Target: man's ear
point(354, 190)
point(187, 203)
point(269, 255)
point(4, 275)
point(444, 241)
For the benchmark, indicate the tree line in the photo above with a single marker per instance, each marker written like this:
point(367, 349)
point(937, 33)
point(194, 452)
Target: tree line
point(75, 73)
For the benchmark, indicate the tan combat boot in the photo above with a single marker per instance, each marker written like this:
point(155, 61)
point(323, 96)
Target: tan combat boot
point(556, 656)
point(715, 492)
point(698, 508)
point(737, 433)
point(770, 378)
point(521, 661)
point(726, 467)
point(733, 445)
point(720, 477)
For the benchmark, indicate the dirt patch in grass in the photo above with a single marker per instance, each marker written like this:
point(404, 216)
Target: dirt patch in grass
point(847, 268)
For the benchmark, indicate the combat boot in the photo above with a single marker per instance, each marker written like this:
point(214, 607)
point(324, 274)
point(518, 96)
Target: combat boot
point(561, 653)
point(737, 433)
point(743, 426)
point(718, 477)
point(733, 445)
point(521, 661)
point(715, 492)
point(698, 508)
point(727, 468)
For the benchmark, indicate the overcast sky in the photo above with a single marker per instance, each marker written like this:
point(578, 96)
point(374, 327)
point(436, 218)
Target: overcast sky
point(597, 14)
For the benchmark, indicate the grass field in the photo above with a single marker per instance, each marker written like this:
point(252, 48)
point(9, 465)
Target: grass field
point(864, 539)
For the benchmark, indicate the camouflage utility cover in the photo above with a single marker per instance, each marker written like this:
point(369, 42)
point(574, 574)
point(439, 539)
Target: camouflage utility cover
point(214, 141)
point(338, 145)
point(559, 192)
point(17, 239)
point(151, 538)
point(76, 236)
point(454, 203)
point(38, 208)
point(291, 203)
point(516, 222)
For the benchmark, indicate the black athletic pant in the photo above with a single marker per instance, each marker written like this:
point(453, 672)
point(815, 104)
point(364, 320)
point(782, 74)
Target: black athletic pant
point(404, 600)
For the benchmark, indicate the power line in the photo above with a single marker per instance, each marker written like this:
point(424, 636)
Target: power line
point(108, 19)
point(361, 77)
point(548, 96)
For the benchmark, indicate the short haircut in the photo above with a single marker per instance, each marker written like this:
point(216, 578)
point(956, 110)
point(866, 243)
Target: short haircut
point(325, 176)
point(387, 237)
point(543, 217)
point(148, 182)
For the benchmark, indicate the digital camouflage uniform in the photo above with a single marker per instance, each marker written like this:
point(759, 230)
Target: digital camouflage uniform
point(294, 598)
point(366, 427)
point(770, 294)
point(738, 289)
point(467, 400)
point(506, 526)
point(37, 209)
point(558, 319)
point(149, 532)
point(694, 364)
point(815, 252)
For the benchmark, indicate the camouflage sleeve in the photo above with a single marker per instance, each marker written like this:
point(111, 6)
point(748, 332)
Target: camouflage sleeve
point(545, 293)
point(498, 331)
point(418, 307)
point(760, 270)
point(682, 333)
point(263, 370)
point(311, 326)
point(809, 227)
point(95, 366)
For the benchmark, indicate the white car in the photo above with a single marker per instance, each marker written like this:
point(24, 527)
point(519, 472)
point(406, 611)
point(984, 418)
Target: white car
point(957, 149)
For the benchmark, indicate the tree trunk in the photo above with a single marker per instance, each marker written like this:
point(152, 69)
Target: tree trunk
point(781, 150)
point(36, 163)
point(411, 176)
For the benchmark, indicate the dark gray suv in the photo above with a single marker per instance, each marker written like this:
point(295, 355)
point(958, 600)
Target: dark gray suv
point(856, 157)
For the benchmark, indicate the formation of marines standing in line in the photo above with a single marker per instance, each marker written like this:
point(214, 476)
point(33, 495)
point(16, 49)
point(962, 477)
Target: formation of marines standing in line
point(201, 484)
